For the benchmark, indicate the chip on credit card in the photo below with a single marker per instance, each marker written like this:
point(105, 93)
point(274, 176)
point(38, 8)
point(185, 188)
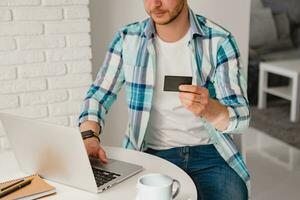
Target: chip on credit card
point(171, 83)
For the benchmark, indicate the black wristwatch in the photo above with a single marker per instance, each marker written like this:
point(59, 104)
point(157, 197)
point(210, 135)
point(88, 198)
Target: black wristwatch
point(89, 134)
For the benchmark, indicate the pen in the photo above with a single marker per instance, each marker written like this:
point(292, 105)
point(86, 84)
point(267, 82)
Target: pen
point(15, 187)
point(10, 185)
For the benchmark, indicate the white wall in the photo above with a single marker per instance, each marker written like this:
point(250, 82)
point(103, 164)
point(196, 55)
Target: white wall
point(108, 16)
point(45, 53)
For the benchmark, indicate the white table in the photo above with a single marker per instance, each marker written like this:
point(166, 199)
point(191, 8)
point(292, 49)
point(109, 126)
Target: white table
point(125, 190)
point(287, 68)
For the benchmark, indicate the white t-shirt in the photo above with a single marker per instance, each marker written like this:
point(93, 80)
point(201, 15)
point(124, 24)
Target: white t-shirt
point(170, 124)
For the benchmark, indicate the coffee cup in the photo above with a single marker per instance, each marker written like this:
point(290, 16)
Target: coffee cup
point(157, 186)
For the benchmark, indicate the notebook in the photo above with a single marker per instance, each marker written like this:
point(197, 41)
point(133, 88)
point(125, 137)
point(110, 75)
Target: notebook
point(36, 189)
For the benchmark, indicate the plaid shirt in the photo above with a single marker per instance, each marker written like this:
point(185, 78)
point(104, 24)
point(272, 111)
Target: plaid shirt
point(131, 60)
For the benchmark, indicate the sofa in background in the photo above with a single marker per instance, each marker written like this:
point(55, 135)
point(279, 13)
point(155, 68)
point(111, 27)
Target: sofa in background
point(274, 35)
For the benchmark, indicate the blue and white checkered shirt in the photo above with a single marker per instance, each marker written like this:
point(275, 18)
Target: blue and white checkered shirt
point(131, 60)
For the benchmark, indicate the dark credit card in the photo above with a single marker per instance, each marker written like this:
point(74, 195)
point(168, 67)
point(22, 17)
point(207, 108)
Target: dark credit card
point(172, 83)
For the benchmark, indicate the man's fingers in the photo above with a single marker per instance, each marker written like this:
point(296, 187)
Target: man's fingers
point(102, 156)
point(190, 104)
point(190, 96)
point(195, 107)
point(193, 89)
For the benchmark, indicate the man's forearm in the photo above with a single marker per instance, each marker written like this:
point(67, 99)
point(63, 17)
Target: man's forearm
point(90, 125)
point(217, 115)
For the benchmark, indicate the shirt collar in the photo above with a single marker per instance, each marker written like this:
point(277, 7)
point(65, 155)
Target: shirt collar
point(196, 29)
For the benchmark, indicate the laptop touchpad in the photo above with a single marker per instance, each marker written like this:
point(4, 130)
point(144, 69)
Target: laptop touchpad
point(95, 162)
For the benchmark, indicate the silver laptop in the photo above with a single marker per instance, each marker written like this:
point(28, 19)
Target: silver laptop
point(58, 153)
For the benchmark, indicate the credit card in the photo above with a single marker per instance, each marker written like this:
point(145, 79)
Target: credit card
point(171, 83)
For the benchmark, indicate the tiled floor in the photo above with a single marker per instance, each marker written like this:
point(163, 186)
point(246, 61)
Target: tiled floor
point(270, 180)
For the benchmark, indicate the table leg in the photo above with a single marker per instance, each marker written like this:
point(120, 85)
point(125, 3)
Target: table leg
point(263, 83)
point(295, 103)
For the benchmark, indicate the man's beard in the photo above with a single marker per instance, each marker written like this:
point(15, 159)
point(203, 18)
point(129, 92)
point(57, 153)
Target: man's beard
point(173, 15)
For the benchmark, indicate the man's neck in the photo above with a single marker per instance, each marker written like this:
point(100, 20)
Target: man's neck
point(175, 30)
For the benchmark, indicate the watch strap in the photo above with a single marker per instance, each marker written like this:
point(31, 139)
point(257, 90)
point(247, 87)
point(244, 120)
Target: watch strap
point(89, 134)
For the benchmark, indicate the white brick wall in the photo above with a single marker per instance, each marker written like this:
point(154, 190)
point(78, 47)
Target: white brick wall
point(20, 2)
point(45, 67)
point(21, 28)
point(67, 26)
point(41, 42)
point(25, 14)
point(5, 15)
point(76, 12)
point(7, 44)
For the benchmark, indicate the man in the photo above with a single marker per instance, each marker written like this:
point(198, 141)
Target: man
point(189, 128)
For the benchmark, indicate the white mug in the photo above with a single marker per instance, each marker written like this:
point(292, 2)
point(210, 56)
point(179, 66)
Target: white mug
point(156, 186)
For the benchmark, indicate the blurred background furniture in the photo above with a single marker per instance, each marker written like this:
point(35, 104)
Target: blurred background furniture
point(289, 69)
point(274, 35)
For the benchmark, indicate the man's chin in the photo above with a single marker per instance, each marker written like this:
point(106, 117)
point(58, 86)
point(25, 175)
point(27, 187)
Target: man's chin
point(161, 21)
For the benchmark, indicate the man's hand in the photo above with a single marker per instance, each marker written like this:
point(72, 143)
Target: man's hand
point(94, 149)
point(196, 99)
point(92, 144)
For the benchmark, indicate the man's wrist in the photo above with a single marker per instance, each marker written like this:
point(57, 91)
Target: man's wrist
point(90, 125)
point(90, 134)
point(217, 115)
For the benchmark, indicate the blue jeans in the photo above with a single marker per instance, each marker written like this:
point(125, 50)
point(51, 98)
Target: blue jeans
point(213, 177)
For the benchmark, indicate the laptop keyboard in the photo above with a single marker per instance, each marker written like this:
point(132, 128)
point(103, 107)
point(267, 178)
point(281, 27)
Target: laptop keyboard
point(103, 176)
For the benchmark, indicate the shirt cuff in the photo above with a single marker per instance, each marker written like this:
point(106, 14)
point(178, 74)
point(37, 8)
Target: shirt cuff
point(91, 117)
point(232, 121)
point(92, 112)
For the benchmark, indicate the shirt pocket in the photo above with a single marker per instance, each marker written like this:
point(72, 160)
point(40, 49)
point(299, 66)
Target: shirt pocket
point(138, 88)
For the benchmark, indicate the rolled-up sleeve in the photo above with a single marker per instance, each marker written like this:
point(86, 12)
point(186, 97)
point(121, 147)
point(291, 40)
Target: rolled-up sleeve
point(103, 92)
point(231, 85)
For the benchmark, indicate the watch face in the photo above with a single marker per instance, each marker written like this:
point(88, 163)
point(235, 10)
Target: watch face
point(89, 133)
